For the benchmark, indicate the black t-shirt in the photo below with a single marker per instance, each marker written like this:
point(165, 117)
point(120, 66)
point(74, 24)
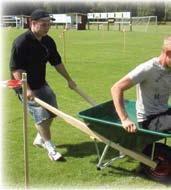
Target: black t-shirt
point(31, 55)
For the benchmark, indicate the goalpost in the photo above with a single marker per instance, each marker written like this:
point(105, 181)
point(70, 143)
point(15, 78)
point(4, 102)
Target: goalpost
point(144, 23)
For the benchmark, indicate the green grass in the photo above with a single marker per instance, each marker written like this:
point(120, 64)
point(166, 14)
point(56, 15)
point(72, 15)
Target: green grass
point(95, 60)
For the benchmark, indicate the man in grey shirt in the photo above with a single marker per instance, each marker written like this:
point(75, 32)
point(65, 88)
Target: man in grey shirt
point(153, 85)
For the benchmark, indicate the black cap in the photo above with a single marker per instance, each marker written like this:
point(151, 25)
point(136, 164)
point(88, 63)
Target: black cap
point(39, 13)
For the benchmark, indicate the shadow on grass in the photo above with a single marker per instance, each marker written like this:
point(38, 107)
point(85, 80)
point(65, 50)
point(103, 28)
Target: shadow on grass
point(85, 149)
point(79, 150)
point(121, 169)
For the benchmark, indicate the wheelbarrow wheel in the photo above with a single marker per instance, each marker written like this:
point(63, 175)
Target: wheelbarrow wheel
point(162, 155)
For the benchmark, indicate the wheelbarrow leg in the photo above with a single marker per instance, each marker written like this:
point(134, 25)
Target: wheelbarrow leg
point(97, 148)
point(165, 140)
point(113, 159)
point(99, 165)
point(153, 149)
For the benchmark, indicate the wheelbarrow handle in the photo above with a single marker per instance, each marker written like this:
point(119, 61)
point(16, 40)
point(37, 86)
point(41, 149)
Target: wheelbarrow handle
point(84, 128)
point(85, 96)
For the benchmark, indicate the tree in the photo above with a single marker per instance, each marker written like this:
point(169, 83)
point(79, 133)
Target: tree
point(161, 9)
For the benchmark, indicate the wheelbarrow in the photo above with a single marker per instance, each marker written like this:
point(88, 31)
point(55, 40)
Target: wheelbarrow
point(102, 123)
point(104, 120)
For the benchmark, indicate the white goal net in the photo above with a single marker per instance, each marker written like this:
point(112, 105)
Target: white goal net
point(144, 23)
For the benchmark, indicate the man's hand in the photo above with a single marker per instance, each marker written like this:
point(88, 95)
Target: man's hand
point(30, 94)
point(129, 126)
point(71, 84)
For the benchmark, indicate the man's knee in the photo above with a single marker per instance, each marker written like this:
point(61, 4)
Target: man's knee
point(45, 123)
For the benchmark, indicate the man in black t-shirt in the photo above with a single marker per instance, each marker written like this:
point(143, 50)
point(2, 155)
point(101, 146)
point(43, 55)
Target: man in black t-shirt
point(30, 53)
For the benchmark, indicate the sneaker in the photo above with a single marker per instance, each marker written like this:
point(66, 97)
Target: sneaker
point(55, 156)
point(49, 146)
point(52, 153)
point(38, 141)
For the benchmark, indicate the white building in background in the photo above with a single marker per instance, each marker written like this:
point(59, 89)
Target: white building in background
point(108, 15)
point(61, 18)
point(121, 19)
point(71, 20)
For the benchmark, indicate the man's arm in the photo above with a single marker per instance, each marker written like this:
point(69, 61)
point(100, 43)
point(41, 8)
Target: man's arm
point(118, 99)
point(61, 69)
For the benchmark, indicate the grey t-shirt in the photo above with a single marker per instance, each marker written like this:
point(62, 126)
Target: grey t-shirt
point(153, 85)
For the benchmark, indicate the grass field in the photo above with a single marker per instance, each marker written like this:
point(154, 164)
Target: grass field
point(95, 60)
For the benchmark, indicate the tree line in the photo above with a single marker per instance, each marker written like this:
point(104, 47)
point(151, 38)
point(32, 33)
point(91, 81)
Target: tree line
point(161, 9)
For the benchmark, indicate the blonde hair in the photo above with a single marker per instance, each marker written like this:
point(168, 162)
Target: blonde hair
point(167, 43)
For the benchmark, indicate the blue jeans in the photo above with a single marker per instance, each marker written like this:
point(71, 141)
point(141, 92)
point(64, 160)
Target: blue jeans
point(160, 122)
point(40, 114)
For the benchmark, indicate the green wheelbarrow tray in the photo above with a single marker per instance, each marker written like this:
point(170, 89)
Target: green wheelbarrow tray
point(104, 120)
